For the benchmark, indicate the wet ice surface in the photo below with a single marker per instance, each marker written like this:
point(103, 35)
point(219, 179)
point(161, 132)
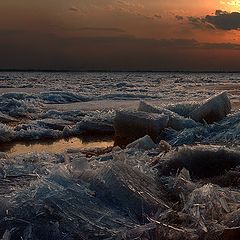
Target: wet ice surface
point(60, 191)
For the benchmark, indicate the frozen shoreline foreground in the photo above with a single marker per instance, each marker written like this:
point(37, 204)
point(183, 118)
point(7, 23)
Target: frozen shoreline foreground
point(144, 191)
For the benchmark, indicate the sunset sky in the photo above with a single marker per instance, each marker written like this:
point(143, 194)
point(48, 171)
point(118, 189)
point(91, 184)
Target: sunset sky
point(120, 34)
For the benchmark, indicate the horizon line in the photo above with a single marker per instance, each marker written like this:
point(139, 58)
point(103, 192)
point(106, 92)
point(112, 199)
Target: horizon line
point(102, 70)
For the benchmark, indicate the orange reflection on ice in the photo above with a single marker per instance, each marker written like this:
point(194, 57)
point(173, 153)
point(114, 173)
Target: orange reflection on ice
point(55, 147)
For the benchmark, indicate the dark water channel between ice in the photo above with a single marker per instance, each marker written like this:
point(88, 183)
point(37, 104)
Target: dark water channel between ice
point(57, 146)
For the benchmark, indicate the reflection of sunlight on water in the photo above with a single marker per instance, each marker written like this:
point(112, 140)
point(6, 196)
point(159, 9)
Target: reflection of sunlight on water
point(55, 147)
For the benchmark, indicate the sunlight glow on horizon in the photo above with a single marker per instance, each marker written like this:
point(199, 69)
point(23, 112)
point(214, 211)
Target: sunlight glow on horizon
point(48, 32)
point(233, 6)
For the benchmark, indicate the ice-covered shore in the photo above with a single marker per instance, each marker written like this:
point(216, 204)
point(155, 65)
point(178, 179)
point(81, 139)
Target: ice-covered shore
point(182, 185)
point(140, 192)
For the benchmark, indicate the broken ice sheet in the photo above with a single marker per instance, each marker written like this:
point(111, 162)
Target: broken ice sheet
point(55, 207)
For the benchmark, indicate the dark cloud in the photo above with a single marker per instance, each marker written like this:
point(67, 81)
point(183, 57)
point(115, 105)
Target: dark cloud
point(154, 43)
point(158, 16)
point(224, 20)
point(221, 20)
point(103, 29)
point(199, 23)
point(10, 32)
point(224, 46)
point(179, 18)
point(51, 51)
point(74, 9)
